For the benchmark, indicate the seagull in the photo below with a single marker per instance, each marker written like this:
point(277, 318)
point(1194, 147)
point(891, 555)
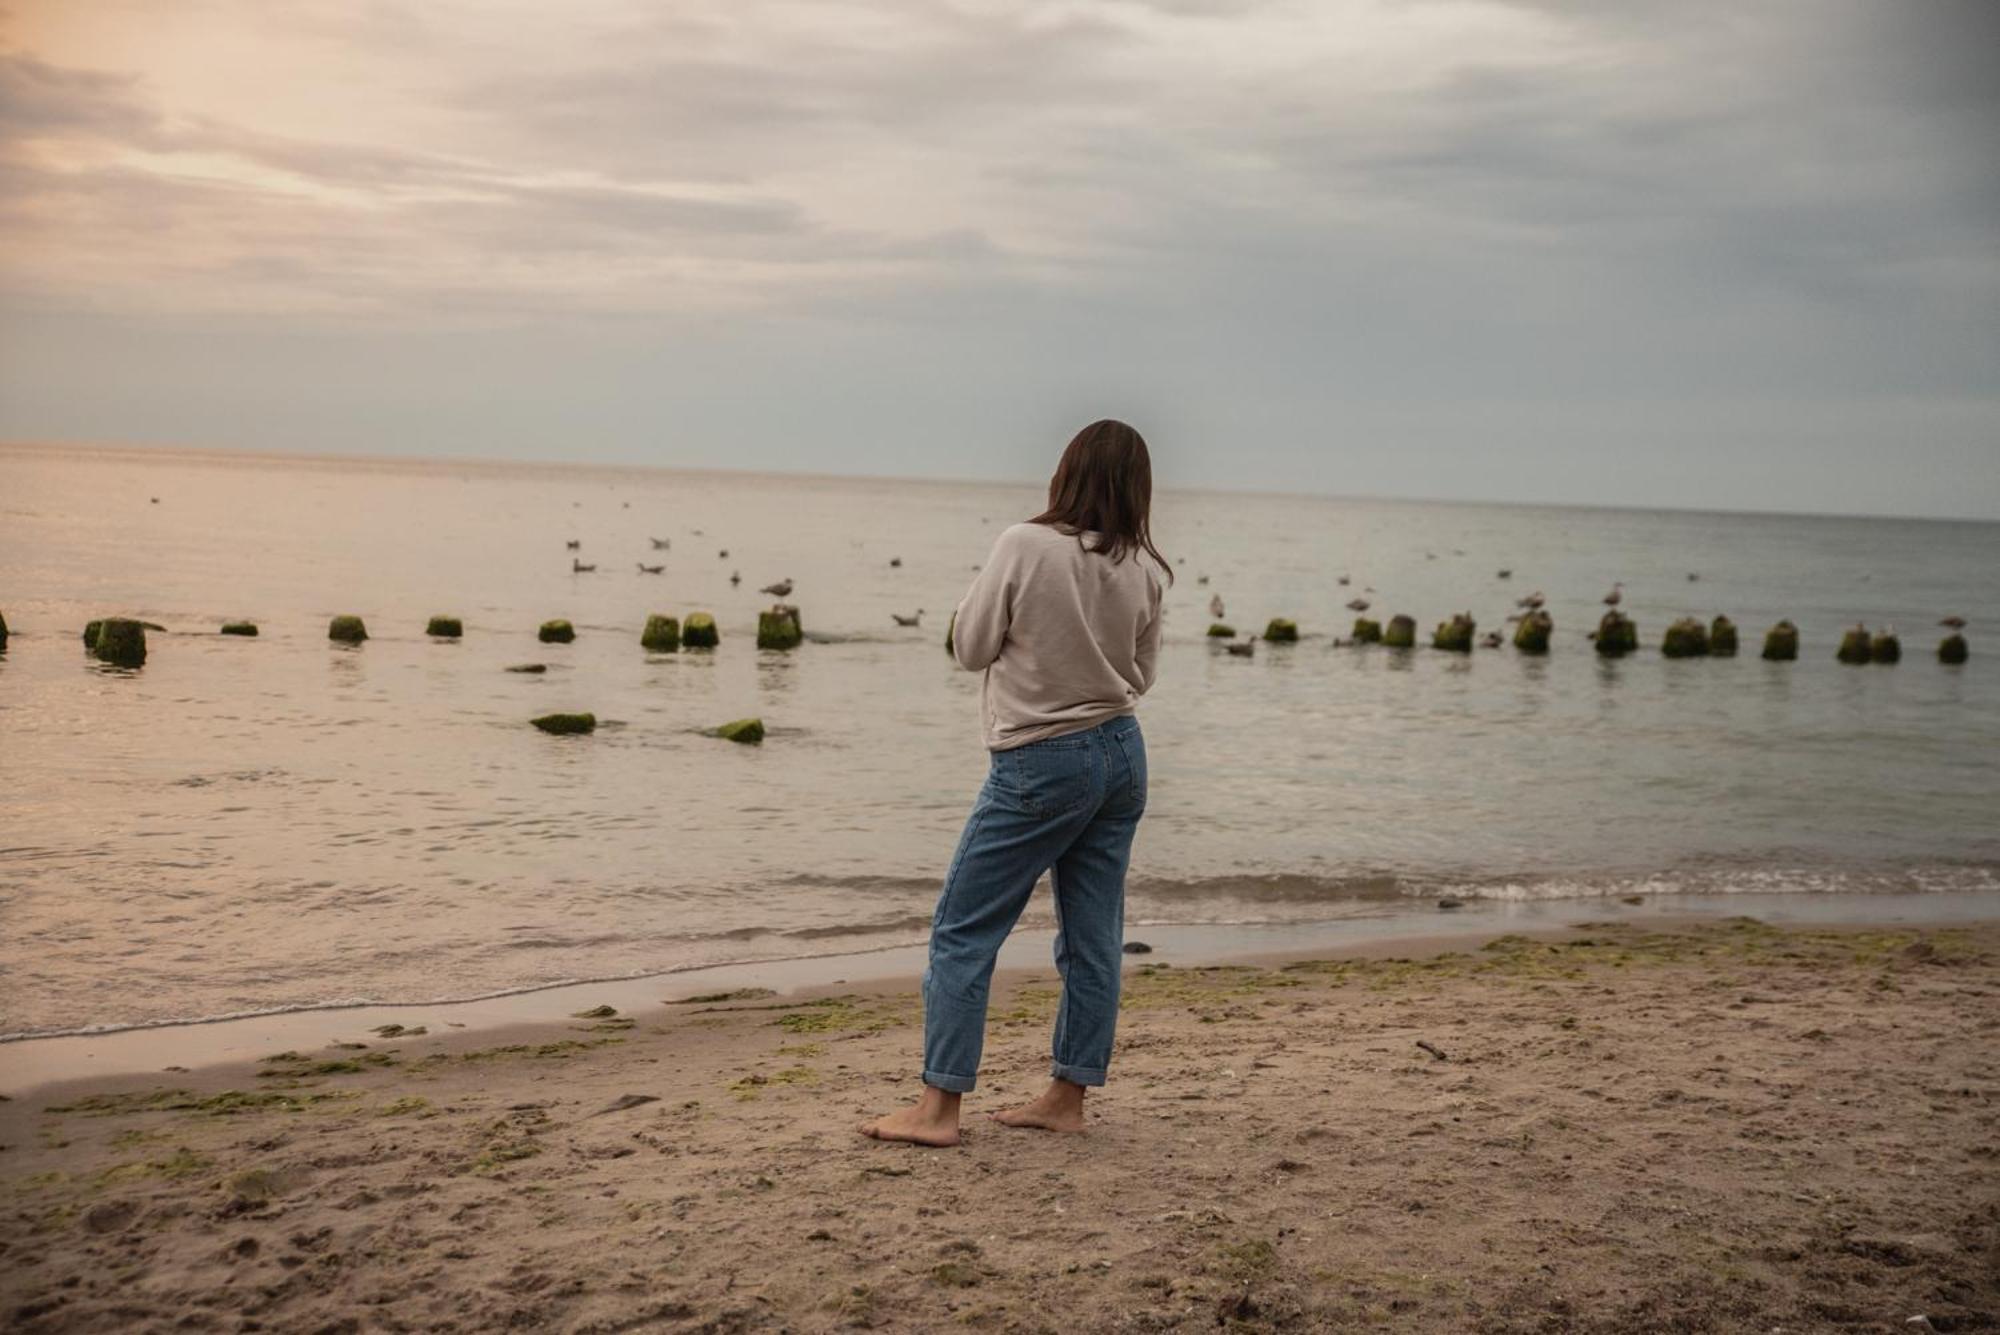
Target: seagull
point(1616, 596)
point(735, 578)
point(1215, 607)
point(1357, 604)
point(1243, 650)
point(1533, 602)
point(1693, 576)
point(577, 567)
point(722, 555)
point(1490, 640)
point(1201, 579)
point(1342, 581)
point(1953, 623)
point(645, 569)
point(661, 544)
point(902, 620)
point(782, 589)
point(1503, 574)
point(895, 563)
point(574, 544)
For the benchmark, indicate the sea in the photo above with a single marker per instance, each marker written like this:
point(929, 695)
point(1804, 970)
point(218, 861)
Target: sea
point(252, 825)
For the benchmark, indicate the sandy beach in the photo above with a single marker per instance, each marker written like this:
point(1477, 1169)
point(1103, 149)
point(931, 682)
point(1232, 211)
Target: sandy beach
point(1614, 1127)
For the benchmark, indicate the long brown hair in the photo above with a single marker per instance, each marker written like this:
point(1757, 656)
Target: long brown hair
point(1104, 485)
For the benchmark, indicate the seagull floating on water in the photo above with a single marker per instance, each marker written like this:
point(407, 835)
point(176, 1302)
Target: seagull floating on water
point(1533, 602)
point(577, 567)
point(735, 578)
point(902, 620)
point(1342, 581)
point(661, 544)
point(574, 544)
point(1503, 574)
point(1358, 604)
point(1953, 623)
point(895, 563)
point(645, 569)
point(782, 589)
point(1243, 650)
point(1215, 607)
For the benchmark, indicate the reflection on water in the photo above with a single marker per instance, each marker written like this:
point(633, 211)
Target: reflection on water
point(253, 822)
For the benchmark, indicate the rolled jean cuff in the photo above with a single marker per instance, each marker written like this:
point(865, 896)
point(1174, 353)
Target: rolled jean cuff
point(950, 1084)
point(1077, 1075)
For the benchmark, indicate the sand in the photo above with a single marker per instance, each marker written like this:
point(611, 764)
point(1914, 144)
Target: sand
point(1723, 1127)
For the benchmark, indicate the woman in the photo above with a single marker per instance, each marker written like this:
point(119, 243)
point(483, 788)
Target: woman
point(1064, 619)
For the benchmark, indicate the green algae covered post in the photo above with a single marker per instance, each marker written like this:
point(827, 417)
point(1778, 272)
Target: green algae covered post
point(778, 627)
point(1781, 643)
point(346, 630)
point(1281, 631)
point(1455, 636)
point(566, 725)
point(662, 635)
point(1686, 638)
point(121, 642)
point(1401, 632)
point(699, 632)
point(747, 731)
point(556, 632)
point(1617, 635)
point(445, 628)
point(1532, 632)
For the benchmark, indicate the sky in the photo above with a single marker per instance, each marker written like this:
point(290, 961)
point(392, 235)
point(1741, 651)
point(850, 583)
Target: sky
point(1700, 254)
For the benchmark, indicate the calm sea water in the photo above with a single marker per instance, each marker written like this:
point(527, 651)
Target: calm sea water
point(251, 824)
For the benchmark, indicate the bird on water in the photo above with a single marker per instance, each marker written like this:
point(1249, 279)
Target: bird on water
point(577, 567)
point(645, 569)
point(1953, 623)
point(902, 620)
point(1358, 604)
point(1215, 607)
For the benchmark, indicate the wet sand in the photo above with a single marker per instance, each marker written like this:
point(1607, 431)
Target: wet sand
point(1616, 1126)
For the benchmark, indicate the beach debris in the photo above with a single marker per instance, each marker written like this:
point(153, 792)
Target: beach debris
point(1455, 636)
point(748, 731)
point(1366, 631)
point(624, 1101)
point(1722, 638)
point(1856, 646)
point(347, 630)
point(1616, 596)
point(566, 725)
point(1137, 948)
point(121, 642)
point(1281, 631)
point(1886, 647)
point(698, 631)
point(1781, 642)
point(529, 667)
point(444, 628)
point(228, 628)
point(1616, 635)
point(911, 621)
point(778, 628)
point(1401, 632)
point(1686, 638)
point(1433, 1049)
point(1243, 649)
point(782, 589)
point(556, 632)
point(1532, 631)
point(1952, 649)
point(1219, 631)
point(662, 634)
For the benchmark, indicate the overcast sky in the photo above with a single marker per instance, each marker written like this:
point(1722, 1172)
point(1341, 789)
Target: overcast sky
point(1700, 253)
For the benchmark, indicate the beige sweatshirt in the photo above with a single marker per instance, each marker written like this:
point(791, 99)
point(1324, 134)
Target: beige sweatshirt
point(1067, 637)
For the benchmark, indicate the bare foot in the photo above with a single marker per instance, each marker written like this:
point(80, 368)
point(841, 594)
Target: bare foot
point(1060, 1108)
point(933, 1120)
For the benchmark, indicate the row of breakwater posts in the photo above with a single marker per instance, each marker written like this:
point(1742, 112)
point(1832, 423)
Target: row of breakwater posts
point(1616, 636)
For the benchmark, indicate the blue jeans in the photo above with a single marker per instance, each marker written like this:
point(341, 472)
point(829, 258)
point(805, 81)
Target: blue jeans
point(1067, 806)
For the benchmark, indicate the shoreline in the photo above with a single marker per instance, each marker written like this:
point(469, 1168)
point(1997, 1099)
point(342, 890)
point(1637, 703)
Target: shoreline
point(33, 1063)
point(1715, 1124)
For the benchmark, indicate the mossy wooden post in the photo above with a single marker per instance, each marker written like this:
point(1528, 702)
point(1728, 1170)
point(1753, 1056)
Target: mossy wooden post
point(748, 731)
point(1953, 649)
point(1366, 631)
point(1281, 631)
point(1455, 636)
point(1531, 632)
point(1686, 638)
point(1219, 631)
point(662, 635)
point(1886, 648)
point(1722, 638)
point(698, 631)
point(346, 630)
point(1617, 635)
point(566, 725)
point(445, 628)
point(121, 642)
point(239, 628)
point(778, 628)
point(1856, 646)
point(556, 632)
point(1400, 633)
point(1781, 643)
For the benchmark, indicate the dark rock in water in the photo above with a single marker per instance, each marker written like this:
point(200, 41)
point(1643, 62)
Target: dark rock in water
point(1781, 642)
point(748, 731)
point(564, 725)
point(1281, 631)
point(1886, 648)
point(699, 632)
point(662, 635)
point(1686, 638)
point(1218, 631)
point(121, 642)
point(1400, 633)
point(239, 628)
point(1449, 903)
point(347, 630)
point(1137, 948)
point(1532, 632)
point(445, 628)
point(1952, 649)
point(1722, 638)
point(1856, 646)
point(1367, 631)
point(529, 667)
point(90, 634)
point(556, 632)
point(1616, 635)
point(1455, 636)
point(778, 628)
